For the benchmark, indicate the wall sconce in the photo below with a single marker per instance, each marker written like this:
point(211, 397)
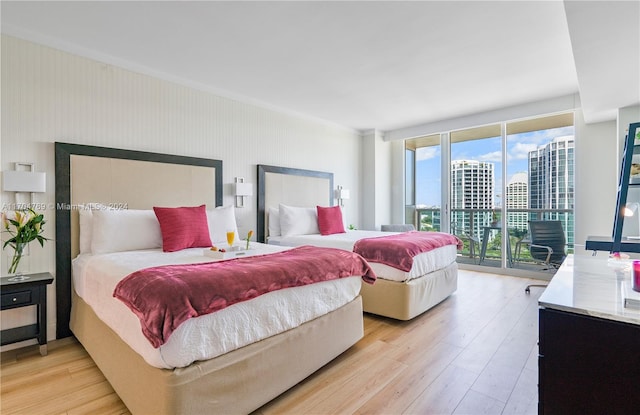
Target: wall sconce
point(631, 225)
point(630, 209)
point(24, 181)
point(242, 190)
point(342, 194)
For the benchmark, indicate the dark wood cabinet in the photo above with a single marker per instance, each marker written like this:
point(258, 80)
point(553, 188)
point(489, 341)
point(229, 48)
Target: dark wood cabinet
point(31, 291)
point(587, 365)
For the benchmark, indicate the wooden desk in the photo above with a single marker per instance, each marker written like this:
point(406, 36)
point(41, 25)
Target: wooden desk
point(589, 343)
point(32, 291)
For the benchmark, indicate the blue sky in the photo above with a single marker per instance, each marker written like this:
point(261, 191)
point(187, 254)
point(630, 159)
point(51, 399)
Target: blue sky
point(428, 178)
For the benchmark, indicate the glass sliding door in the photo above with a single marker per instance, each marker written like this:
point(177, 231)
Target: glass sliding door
point(476, 192)
point(540, 174)
point(485, 184)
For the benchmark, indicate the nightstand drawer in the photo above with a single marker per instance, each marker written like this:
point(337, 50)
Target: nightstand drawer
point(17, 298)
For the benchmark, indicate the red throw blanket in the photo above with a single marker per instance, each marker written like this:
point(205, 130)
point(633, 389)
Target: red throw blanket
point(166, 296)
point(398, 250)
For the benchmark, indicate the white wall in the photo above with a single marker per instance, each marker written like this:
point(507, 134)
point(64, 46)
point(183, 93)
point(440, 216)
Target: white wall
point(598, 161)
point(50, 95)
point(596, 179)
point(383, 181)
point(367, 212)
point(376, 184)
point(397, 182)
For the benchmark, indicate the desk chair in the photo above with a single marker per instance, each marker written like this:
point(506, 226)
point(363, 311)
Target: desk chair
point(525, 240)
point(474, 241)
point(548, 244)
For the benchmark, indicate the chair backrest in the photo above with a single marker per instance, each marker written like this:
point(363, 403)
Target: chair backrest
point(548, 233)
point(397, 228)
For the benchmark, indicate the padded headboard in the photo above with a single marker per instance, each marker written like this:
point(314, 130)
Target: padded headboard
point(121, 179)
point(294, 187)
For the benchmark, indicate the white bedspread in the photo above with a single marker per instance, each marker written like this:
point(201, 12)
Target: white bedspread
point(204, 337)
point(423, 263)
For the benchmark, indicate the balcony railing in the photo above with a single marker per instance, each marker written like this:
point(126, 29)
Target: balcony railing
point(469, 225)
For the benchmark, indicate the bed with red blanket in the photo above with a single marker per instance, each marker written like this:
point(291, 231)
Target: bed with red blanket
point(180, 312)
point(415, 270)
point(400, 250)
point(164, 297)
point(187, 360)
point(288, 204)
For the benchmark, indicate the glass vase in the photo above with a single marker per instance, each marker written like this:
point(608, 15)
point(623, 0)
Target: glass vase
point(14, 265)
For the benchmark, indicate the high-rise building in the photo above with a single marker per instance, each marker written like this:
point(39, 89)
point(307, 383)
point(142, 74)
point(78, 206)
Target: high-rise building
point(472, 188)
point(517, 198)
point(551, 180)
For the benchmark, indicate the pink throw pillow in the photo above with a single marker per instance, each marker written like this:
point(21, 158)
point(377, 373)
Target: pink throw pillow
point(183, 227)
point(330, 220)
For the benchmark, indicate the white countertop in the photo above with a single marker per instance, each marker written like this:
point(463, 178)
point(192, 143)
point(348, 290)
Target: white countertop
point(593, 286)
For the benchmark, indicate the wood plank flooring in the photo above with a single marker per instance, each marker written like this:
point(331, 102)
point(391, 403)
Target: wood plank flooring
point(475, 353)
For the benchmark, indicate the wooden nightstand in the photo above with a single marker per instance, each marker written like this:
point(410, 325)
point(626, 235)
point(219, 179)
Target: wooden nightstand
point(32, 291)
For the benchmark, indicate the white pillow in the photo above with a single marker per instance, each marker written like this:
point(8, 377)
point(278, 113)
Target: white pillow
point(298, 220)
point(221, 220)
point(85, 213)
point(274, 222)
point(125, 230)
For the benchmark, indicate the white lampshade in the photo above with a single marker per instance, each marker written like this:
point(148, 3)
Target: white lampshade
point(244, 189)
point(24, 181)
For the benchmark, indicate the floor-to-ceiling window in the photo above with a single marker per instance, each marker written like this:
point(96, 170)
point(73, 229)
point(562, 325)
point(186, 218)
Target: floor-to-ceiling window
point(409, 185)
point(540, 176)
point(427, 179)
point(494, 180)
point(476, 189)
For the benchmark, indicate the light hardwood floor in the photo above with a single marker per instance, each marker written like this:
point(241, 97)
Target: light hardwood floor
point(475, 353)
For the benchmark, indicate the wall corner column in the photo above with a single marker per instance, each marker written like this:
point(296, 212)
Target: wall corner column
point(376, 186)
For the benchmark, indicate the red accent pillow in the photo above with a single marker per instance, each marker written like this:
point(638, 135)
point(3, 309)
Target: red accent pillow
point(330, 220)
point(183, 227)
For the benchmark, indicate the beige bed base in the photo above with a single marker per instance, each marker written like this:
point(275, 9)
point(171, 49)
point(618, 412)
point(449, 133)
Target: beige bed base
point(406, 300)
point(234, 383)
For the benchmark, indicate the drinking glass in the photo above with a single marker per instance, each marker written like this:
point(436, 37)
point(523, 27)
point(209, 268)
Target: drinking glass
point(230, 237)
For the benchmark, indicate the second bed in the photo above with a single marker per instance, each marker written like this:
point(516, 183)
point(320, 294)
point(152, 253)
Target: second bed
point(397, 293)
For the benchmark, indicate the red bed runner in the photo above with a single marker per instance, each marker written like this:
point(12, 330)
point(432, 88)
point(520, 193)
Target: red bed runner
point(166, 296)
point(398, 250)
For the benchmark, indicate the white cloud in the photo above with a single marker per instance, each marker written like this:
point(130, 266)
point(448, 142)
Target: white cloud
point(495, 156)
point(426, 153)
point(520, 151)
point(541, 137)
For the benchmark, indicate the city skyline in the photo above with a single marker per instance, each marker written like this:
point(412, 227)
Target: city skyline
point(428, 175)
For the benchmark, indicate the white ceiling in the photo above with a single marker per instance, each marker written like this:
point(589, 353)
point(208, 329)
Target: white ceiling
point(366, 65)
